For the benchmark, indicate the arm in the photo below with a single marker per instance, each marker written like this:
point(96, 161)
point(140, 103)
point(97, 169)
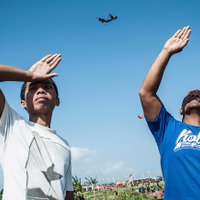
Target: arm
point(69, 195)
point(39, 71)
point(150, 101)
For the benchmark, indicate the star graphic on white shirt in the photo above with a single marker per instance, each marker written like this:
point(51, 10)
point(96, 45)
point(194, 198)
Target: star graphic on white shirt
point(51, 175)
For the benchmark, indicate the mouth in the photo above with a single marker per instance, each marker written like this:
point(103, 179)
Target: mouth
point(189, 99)
point(41, 99)
point(196, 99)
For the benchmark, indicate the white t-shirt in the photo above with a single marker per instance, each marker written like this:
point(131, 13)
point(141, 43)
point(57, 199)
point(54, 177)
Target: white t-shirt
point(36, 162)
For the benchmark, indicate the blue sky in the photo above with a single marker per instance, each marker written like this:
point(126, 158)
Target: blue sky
point(102, 69)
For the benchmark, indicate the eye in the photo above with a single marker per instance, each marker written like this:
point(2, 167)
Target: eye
point(31, 88)
point(48, 87)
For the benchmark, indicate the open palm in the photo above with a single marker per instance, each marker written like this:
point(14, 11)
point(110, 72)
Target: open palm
point(179, 40)
point(41, 70)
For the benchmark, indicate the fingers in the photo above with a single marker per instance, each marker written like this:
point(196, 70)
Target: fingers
point(187, 34)
point(183, 34)
point(185, 42)
point(52, 58)
point(45, 58)
point(50, 75)
point(177, 32)
point(55, 62)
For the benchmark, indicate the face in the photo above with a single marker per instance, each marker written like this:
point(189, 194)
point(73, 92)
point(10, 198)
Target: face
point(40, 97)
point(191, 101)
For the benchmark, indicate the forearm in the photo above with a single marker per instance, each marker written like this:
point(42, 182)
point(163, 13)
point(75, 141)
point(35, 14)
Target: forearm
point(8, 73)
point(154, 76)
point(150, 101)
point(41, 70)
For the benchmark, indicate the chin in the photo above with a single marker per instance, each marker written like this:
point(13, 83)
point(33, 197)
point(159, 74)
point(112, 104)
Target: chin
point(41, 109)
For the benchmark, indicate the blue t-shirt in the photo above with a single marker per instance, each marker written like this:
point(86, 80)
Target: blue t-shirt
point(179, 147)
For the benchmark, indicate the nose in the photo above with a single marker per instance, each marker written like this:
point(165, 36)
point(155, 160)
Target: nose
point(195, 95)
point(41, 90)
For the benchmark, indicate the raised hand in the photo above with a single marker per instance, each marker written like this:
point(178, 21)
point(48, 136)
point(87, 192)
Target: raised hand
point(41, 70)
point(178, 41)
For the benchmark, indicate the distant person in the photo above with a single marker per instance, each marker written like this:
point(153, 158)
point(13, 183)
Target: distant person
point(178, 142)
point(158, 186)
point(154, 195)
point(152, 189)
point(148, 189)
point(36, 162)
point(162, 194)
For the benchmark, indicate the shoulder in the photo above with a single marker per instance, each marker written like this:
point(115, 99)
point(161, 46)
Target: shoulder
point(164, 122)
point(163, 117)
point(9, 113)
point(64, 142)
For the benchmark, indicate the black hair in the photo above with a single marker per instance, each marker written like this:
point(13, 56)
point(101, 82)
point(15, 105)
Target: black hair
point(22, 96)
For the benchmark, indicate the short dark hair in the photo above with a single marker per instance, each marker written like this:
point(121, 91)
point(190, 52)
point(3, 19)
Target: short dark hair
point(22, 96)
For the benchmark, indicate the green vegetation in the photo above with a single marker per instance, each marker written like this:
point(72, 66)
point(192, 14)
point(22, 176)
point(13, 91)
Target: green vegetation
point(111, 192)
point(78, 191)
point(77, 184)
point(117, 194)
point(91, 181)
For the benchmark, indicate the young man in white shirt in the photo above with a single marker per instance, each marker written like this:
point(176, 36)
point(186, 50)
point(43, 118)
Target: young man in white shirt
point(36, 162)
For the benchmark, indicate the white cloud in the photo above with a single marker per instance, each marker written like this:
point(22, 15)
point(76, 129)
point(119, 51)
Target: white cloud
point(117, 166)
point(112, 166)
point(82, 154)
point(90, 162)
point(87, 162)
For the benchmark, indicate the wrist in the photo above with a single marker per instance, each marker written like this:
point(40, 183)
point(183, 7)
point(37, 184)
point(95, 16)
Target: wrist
point(29, 75)
point(167, 52)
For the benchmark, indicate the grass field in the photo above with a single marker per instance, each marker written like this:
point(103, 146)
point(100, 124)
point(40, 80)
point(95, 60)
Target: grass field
point(117, 194)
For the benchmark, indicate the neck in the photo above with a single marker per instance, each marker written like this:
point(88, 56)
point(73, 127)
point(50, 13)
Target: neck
point(44, 120)
point(192, 119)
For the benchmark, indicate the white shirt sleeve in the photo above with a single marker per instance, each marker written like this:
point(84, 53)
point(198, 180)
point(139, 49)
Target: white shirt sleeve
point(69, 184)
point(7, 121)
point(4, 123)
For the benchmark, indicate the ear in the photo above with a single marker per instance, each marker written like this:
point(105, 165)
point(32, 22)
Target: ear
point(23, 104)
point(181, 111)
point(57, 102)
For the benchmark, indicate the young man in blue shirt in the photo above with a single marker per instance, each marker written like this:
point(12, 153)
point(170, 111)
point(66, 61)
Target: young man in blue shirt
point(178, 142)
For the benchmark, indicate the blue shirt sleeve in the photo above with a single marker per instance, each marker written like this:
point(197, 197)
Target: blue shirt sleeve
point(158, 126)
